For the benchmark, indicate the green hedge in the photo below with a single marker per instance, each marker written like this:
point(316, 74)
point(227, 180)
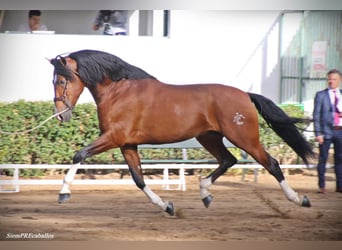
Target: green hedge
point(53, 143)
point(56, 143)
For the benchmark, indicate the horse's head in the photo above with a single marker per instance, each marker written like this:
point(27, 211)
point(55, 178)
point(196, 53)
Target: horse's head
point(67, 86)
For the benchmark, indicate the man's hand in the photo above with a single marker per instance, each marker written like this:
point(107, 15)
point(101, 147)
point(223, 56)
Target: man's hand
point(36, 26)
point(320, 139)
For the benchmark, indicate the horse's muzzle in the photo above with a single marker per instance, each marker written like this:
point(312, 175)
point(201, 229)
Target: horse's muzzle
point(65, 116)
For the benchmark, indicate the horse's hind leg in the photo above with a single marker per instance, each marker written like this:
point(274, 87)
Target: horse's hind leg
point(212, 142)
point(244, 133)
point(132, 158)
point(291, 195)
point(272, 166)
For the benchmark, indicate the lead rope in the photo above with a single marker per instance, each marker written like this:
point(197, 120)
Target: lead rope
point(32, 129)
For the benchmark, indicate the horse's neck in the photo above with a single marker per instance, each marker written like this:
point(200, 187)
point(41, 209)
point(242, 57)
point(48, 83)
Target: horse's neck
point(99, 90)
point(110, 89)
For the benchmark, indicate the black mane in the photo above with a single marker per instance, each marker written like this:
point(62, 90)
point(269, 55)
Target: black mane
point(94, 66)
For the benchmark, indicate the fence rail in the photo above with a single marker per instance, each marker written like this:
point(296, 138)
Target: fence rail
point(165, 181)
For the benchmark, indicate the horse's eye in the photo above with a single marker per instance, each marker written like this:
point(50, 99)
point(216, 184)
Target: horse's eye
point(61, 82)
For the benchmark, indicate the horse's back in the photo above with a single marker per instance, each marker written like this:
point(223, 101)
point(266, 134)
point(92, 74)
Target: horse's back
point(190, 96)
point(214, 94)
point(213, 103)
point(155, 112)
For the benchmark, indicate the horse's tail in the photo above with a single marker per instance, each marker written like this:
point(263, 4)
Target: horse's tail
point(283, 125)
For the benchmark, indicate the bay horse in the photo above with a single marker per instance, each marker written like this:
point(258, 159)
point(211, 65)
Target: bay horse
point(135, 108)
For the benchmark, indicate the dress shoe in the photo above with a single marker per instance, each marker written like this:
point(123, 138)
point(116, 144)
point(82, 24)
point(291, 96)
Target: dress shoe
point(322, 191)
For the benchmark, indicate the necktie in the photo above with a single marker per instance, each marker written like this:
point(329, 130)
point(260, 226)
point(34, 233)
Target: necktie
point(336, 113)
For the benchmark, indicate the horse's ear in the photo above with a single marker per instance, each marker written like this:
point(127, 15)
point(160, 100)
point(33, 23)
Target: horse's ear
point(50, 60)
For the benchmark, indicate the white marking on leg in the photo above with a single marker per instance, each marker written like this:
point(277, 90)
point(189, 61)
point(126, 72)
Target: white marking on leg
point(155, 199)
point(204, 186)
point(290, 193)
point(69, 178)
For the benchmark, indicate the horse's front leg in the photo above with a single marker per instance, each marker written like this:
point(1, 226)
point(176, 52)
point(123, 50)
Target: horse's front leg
point(101, 144)
point(132, 158)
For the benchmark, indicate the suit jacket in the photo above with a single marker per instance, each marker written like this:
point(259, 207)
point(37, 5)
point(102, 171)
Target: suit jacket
point(323, 114)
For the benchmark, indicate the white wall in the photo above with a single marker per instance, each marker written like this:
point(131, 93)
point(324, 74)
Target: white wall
point(26, 74)
point(204, 47)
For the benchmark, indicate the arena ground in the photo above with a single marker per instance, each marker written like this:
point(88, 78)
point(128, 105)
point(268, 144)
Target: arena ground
point(241, 210)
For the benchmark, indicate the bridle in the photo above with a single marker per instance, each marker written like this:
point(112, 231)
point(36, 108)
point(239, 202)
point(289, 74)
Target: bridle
point(63, 97)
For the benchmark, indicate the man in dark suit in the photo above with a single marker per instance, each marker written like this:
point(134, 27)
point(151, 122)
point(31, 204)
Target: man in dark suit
point(328, 127)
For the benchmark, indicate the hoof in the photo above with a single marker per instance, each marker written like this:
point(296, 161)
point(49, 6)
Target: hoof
point(207, 200)
point(306, 202)
point(169, 209)
point(63, 198)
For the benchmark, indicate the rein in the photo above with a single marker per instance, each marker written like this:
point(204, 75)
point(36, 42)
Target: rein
point(32, 129)
point(56, 99)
